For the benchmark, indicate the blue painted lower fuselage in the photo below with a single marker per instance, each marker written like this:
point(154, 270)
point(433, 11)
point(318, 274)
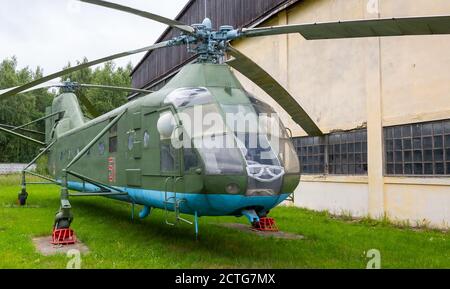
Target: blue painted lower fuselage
point(203, 204)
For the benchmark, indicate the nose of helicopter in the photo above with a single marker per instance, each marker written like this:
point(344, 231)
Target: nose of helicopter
point(223, 205)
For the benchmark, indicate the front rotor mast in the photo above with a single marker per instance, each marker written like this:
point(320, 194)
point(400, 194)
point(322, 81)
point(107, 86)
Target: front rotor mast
point(210, 46)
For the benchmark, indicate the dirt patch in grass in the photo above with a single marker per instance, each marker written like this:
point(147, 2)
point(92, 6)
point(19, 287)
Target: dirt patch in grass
point(45, 247)
point(249, 229)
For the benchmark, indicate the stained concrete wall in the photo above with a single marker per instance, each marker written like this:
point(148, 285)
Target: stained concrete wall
point(336, 194)
point(419, 201)
point(349, 83)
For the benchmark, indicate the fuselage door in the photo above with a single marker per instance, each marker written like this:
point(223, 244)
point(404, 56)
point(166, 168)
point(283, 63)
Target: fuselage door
point(170, 150)
point(134, 149)
point(161, 157)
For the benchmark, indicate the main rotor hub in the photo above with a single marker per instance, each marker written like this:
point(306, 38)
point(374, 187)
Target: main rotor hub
point(208, 44)
point(69, 86)
point(226, 28)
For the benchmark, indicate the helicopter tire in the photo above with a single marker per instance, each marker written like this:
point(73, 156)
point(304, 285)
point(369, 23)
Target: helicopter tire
point(62, 224)
point(22, 198)
point(263, 214)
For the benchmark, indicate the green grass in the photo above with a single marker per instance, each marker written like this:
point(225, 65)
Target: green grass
point(116, 242)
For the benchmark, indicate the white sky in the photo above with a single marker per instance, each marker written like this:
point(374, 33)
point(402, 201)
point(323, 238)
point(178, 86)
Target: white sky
point(49, 33)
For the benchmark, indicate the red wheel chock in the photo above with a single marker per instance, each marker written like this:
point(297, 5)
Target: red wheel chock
point(266, 225)
point(63, 237)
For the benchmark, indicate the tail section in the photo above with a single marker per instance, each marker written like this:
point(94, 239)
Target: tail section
point(70, 117)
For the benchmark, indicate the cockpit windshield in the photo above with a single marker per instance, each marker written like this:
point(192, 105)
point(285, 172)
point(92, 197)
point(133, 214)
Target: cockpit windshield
point(230, 137)
point(256, 149)
point(261, 135)
point(271, 125)
point(205, 128)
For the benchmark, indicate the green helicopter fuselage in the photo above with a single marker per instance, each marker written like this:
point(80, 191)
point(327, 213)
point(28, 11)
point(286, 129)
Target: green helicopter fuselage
point(215, 171)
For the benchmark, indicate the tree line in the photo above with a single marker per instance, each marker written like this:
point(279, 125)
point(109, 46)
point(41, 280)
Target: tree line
point(23, 108)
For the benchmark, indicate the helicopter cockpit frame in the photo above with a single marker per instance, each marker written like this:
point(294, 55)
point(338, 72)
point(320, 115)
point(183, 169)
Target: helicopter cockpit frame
point(235, 135)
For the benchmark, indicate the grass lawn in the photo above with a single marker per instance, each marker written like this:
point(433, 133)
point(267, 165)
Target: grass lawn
point(117, 242)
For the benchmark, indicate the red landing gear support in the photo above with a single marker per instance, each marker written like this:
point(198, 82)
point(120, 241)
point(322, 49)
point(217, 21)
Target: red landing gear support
point(63, 237)
point(265, 224)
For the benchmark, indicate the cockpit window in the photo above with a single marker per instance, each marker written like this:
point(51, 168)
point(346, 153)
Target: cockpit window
point(288, 156)
point(256, 149)
point(260, 106)
point(252, 133)
point(261, 135)
point(219, 156)
point(231, 137)
point(185, 97)
point(204, 127)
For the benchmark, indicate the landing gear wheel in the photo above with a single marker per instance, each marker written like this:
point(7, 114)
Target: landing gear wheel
point(62, 224)
point(63, 219)
point(22, 197)
point(263, 214)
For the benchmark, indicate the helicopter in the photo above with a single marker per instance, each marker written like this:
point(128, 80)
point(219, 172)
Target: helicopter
point(238, 160)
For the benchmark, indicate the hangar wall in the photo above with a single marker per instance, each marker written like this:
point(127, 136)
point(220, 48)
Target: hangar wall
point(364, 83)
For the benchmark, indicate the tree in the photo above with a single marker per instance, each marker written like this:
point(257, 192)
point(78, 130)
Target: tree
point(26, 107)
point(20, 109)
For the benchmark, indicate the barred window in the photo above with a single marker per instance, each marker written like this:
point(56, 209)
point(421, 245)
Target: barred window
point(343, 153)
point(418, 149)
point(311, 152)
point(347, 153)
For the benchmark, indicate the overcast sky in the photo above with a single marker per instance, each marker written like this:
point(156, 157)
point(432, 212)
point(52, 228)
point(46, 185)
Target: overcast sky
point(49, 33)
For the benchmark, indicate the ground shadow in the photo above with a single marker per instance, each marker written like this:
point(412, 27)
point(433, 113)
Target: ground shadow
point(214, 240)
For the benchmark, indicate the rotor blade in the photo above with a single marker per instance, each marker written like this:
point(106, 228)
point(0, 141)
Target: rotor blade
point(39, 81)
point(88, 104)
point(2, 129)
point(261, 78)
point(129, 89)
point(82, 85)
point(158, 18)
point(360, 28)
point(11, 127)
point(40, 86)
